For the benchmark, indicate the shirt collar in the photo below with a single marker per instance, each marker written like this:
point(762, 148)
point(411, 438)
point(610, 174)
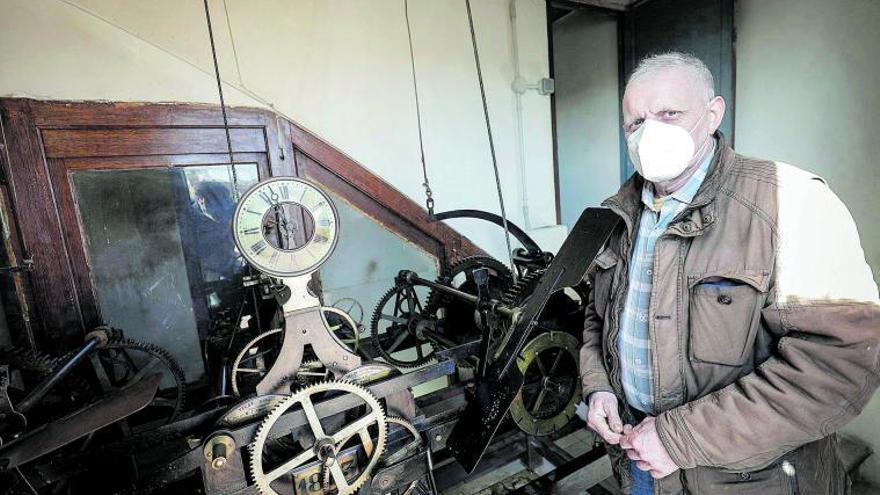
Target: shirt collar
point(685, 194)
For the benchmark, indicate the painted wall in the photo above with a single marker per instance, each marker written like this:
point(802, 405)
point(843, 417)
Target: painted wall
point(587, 110)
point(807, 77)
point(337, 67)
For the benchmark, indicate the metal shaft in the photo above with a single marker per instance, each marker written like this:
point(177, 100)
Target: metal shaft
point(44, 387)
point(496, 306)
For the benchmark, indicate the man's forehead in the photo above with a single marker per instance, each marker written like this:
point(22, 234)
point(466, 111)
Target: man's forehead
point(659, 90)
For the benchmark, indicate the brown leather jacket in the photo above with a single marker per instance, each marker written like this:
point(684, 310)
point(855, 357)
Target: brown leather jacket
point(752, 376)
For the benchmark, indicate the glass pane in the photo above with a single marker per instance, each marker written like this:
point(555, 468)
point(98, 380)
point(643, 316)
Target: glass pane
point(161, 254)
point(367, 258)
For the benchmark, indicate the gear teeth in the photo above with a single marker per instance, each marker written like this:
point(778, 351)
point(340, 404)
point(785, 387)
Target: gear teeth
point(374, 332)
point(167, 359)
point(262, 432)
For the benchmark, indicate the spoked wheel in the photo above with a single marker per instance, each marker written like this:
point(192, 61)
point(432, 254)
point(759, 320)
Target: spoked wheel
point(403, 334)
point(549, 396)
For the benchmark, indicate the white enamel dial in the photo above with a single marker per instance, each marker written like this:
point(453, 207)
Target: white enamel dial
point(285, 226)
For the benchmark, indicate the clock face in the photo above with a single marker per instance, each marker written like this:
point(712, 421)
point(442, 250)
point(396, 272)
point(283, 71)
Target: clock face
point(285, 226)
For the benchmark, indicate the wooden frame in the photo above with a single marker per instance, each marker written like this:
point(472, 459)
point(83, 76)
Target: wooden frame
point(44, 140)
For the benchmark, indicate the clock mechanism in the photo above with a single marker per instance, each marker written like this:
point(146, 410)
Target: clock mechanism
point(285, 227)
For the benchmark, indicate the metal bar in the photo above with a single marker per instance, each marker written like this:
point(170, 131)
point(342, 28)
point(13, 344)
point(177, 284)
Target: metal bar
point(545, 483)
point(496, 306)
point(43, 388)
point(59, 433)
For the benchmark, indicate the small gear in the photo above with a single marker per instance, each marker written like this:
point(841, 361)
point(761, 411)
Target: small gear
point(312, 371)
point(368, 432)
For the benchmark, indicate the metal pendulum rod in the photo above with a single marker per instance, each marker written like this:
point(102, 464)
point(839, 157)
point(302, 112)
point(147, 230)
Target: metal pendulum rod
point(429, 200)
point(231, 168)
point(491, 140)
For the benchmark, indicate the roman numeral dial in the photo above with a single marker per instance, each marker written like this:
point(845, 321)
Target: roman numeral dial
point(285, 227)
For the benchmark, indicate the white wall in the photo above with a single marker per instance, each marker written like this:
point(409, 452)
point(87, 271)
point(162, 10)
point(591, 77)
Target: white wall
point(587, 110)
point(806, 93)
point(339, 68)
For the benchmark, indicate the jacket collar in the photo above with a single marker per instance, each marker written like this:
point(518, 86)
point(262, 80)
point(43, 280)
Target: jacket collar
point(628, 204)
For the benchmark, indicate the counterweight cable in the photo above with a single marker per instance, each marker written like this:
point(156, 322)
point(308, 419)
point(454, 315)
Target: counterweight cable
point(231, 169)
point(491, 140)
point(429, 200)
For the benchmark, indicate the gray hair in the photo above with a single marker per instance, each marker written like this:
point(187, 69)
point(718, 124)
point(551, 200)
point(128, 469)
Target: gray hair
point(669, 60)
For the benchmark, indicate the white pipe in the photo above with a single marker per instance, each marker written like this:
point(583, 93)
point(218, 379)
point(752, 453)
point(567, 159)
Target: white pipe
point(520, 133)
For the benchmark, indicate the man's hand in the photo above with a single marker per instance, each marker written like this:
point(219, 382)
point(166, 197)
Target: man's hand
point(643, 445)
point(603, 416)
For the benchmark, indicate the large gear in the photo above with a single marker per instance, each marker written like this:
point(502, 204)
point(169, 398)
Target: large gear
point(552, 389)
point(368, 432)
point(404, 325)
point(121, 368)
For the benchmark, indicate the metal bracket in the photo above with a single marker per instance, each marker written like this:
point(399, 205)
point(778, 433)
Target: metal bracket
point(26, 266)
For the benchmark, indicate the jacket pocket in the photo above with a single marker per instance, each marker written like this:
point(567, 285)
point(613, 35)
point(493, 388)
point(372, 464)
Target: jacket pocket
point(725, 312)
point(771, 480)
point(605, 264)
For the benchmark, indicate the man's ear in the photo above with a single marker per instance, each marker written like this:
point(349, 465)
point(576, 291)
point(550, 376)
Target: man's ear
point(717, 106)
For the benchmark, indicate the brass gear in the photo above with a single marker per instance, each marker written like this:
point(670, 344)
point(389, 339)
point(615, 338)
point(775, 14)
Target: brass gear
point(549, 363)
point(325, 445)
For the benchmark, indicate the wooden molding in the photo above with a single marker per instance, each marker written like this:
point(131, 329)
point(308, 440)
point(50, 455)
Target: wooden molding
point(47, 139)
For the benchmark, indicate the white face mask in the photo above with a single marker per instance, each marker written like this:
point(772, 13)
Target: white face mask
point(661, 151)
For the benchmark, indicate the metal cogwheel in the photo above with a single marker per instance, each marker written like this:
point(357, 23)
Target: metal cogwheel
point(257, 356)
point(247, 355)
point(405, 449)
point(157, 355)
point(249, 410)
point(408, 327)
point(552, 388)
point(522, 289)
point(34, 367)
point(368, 432)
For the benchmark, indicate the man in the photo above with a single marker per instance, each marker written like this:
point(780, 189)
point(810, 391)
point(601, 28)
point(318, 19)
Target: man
point(733, 323)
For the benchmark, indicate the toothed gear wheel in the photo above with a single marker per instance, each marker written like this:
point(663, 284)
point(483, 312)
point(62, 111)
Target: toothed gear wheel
point(115, 353)
point(28, 368)
point(404, 450)
point(517, 294)
point(312, 371)
point(368, 433)
point(400, 323)
point(457, 321)
point(254, 361)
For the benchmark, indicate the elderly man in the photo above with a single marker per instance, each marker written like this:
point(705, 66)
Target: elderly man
point(733, 323)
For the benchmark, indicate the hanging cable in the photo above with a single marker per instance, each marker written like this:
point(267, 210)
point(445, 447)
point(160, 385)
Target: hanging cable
point(429, 200)
point(232, 175)
point(491, 141)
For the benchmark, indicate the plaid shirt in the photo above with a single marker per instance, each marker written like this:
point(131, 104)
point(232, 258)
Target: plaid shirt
point(634, 341)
